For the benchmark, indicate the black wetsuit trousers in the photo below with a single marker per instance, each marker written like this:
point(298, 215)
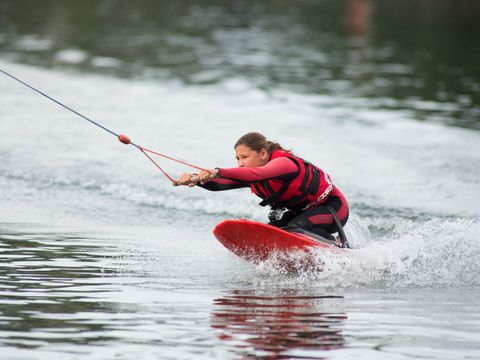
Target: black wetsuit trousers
point(317, 219)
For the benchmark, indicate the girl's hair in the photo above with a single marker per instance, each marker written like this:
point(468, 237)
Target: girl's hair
point(257, 142)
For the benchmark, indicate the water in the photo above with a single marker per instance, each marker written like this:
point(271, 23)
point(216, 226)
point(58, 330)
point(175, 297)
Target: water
point(102, 257)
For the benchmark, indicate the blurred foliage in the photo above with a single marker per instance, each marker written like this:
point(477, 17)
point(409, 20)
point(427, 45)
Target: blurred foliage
point(400, 54)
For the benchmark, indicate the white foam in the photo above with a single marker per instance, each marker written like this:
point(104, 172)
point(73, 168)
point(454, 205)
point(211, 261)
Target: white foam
point(33, 43)
point(71, 56)
point(106, 62)
point(437, 253)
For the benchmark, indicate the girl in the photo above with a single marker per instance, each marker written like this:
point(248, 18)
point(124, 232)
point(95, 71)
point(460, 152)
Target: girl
point(302, 196)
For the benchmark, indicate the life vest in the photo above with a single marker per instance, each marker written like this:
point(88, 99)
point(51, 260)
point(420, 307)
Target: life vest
point(310, 187)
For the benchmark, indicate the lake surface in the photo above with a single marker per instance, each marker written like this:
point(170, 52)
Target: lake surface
point(102, 258)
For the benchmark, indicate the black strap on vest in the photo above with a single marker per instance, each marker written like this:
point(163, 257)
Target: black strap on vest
point(274, 199)
point(343, 237)
point(295, 201)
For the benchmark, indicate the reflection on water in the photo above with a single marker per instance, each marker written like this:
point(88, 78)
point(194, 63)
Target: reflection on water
point(412, 54)
point(284, 326)
point(51, 287)
point(61, 290)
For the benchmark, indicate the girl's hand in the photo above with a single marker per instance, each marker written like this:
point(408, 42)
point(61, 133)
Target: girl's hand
point(187, 179)
point(207, 175)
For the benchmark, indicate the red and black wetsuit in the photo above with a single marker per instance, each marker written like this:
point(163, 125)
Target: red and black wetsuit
point(290, 182)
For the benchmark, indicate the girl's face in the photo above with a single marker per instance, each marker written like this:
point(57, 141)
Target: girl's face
point(247, 157)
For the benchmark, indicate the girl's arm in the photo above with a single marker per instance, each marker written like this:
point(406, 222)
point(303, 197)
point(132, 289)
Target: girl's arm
point(221, 184)
point(234, 178)
point(281, 168)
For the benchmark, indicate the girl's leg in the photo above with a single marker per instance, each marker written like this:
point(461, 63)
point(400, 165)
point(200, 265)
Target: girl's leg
point(284, 220)
point(319, 219)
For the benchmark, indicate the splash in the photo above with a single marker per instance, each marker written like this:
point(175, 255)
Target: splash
point(436, 253)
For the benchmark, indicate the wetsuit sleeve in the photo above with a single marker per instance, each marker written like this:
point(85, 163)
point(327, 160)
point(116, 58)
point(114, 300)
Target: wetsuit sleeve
point(222, 184)
point(279, 168)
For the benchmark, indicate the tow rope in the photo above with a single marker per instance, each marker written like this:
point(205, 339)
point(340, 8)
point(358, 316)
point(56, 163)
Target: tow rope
point(121, 137)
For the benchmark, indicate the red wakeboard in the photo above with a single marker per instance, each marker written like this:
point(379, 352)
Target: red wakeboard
point(256, 242)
